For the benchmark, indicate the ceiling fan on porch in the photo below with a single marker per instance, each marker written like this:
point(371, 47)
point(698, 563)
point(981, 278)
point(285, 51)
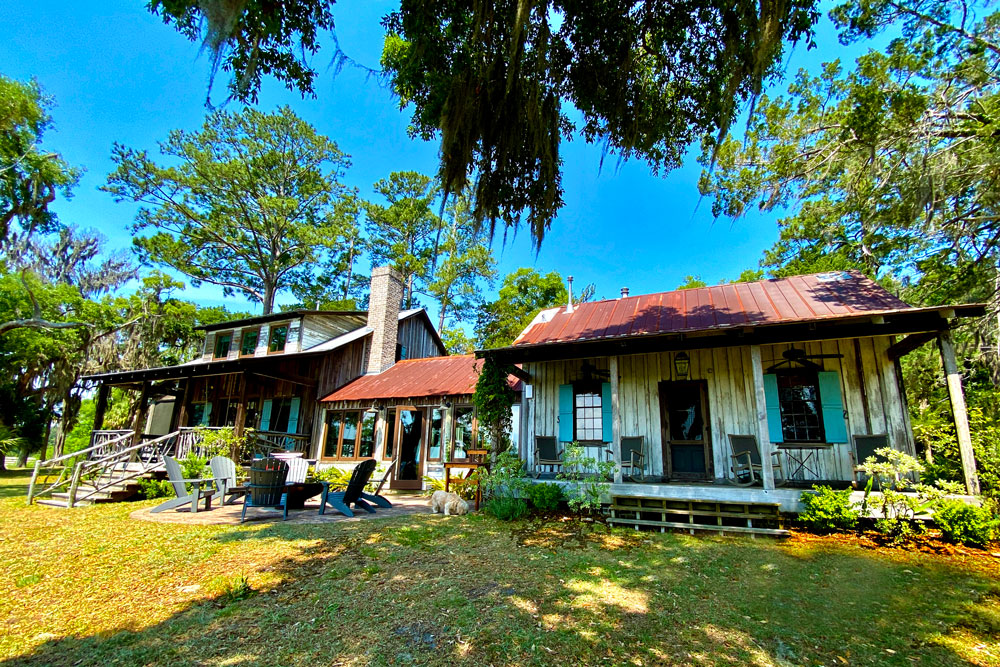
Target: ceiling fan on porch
point(797, 356)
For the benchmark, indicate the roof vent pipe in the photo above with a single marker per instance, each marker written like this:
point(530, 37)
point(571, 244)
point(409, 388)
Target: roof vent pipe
point(569, 301)
point(624, 292)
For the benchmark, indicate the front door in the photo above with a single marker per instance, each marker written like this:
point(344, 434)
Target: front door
point(687, 449)
point(409, 443)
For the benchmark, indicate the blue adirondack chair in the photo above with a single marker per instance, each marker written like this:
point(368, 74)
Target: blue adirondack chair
point(267, 486)
point(342, 500)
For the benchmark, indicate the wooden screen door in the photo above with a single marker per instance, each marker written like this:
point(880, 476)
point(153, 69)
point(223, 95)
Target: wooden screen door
point(409, 470)
point(687, 449)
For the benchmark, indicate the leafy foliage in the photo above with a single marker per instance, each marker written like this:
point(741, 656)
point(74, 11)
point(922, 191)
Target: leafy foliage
point(966, 524)
point(493, 399)
point(522, 295)
point(828, 510)
point(30, 176)
point(491, 78)
point(545, 496)
point(249, 203)
point(506, 508)
point(155, 488)
point(589, 479)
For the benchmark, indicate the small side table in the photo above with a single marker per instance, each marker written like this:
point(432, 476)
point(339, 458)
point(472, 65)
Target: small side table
point(802, 456)
point(476, 459)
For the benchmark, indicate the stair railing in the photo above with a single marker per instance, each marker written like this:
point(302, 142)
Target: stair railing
point(113, 443)
point(135, 461)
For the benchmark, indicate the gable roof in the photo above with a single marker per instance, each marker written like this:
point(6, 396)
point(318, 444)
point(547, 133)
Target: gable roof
point(281, 315)
point(809, 298)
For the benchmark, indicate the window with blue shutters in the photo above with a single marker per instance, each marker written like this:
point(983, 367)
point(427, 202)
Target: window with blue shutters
point(804, 405)
point(585, 412)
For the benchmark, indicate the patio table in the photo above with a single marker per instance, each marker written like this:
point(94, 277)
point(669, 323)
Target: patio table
point(300, 492)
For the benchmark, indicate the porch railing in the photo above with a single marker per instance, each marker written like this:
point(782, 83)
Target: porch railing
point(103, 443)
point(266, 442)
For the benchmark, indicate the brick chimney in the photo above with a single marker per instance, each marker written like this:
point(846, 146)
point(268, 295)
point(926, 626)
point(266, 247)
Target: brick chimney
point(385, 297)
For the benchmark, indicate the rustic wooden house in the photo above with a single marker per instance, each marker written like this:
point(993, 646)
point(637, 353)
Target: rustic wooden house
point(804, 364)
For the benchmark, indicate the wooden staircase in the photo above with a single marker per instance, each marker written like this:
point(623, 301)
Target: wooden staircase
point(697, 515)
point(112, 488)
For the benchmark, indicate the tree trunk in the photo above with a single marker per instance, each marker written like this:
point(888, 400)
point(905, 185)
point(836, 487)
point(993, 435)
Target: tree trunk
point(268, 302)
point(409, 292)
point(350, 269)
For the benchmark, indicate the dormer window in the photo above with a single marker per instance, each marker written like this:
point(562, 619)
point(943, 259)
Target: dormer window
point(248, 343)
point(276, 341)
point(222, 344)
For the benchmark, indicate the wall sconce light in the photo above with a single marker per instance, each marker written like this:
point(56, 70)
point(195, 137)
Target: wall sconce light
point(446, 404)
point(682, 364)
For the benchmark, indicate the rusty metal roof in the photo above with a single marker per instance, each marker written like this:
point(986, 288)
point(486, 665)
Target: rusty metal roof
point(820, 296)
point(415, 378)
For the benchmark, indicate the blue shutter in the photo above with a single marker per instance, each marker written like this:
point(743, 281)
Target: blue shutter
point(265, 415)
point(566, 413)
point(833, 406)
point(293, 415)
point(206, 413)
point(773, 408)
point(606, 412)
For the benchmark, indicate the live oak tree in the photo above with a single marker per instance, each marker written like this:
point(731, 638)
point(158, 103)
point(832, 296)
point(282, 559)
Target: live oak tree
point(494, 80)
point(246, 203)
point(31, 176)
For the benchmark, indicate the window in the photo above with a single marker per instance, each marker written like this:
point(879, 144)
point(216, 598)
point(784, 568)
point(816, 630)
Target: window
point(587, 420)
point(799, 403)
point(400, 352)
point(462, 439)
point(248, 343)
point(434, 446)
point(281, 410)
point(366, 439)
point(277, 338)
point(222, 344)
point(349, 434)
point(390, 434)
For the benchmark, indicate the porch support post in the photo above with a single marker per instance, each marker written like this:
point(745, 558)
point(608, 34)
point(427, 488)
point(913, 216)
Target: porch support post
point(760, 408)
point(241, 407)
point(958, 412)
point(616, 420)
point(101, 407)
point(140, 415)
point(185, 398)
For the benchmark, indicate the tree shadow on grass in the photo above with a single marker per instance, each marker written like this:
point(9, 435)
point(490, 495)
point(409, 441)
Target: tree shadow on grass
point(447, 590)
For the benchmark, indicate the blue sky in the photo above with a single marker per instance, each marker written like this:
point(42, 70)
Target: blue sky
point(118, 73)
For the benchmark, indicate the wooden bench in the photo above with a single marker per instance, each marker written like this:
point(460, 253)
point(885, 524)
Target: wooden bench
point(697, 514)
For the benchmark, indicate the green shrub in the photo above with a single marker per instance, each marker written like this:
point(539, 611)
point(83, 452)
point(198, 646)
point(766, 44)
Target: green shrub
point(965, 524)
point(465, 487)
point(545, 496)
point(506, 508)
point(828, 510)
point(155, 488)
point(589, 479)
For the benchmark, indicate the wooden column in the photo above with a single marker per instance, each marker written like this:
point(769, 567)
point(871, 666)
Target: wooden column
point(101, 407)
point(241, 407)
point(140, 415)
point(185, 398)
point(760, 407)
point(958, 412)
point(616, 420)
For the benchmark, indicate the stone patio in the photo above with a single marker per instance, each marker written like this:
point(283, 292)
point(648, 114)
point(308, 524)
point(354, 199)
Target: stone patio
point(230, 514)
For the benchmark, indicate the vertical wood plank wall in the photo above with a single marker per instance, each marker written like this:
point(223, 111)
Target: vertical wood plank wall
point(869, 391)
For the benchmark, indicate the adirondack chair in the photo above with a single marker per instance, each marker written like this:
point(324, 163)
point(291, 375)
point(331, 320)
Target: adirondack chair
point(547, 453)
point(183, 496)
point(747, 466)
point(377, 497)
point(267, 486)
point(633, 456)
point(864, 449)
point(224, 472)
point(342, 500)
point(297, 470)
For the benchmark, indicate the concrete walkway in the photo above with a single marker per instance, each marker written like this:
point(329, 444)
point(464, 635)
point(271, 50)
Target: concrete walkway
point(230, 514)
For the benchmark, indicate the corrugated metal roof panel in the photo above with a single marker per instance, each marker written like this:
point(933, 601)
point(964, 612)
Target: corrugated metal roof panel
point(782, 300)
point(416, 378)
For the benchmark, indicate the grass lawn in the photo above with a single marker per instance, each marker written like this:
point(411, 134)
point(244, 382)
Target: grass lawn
point(91, 586)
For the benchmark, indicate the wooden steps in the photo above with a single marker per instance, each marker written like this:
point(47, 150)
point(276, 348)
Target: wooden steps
point(697, 515)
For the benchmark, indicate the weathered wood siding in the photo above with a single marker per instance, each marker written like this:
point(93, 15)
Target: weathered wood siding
point(416, 336)
point(870, 393)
